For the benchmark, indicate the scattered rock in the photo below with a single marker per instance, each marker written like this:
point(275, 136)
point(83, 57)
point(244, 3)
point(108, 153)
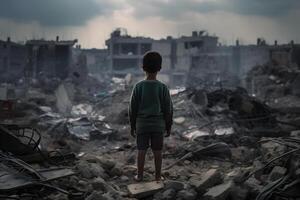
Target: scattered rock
point(219, 192)
point(83, 168)
point(84, 185)
point(238, 193)
point(95, 196)
point(176, 185)
point(124, 178)
point(271, 150)
point(243, 154)
point(253, 186)
point(179, 120)
point(99, 184)
point(90, 170)
point(169, 194)
point(295, 133)
point(210, 178)
point(96, 170)
point(276, 173)
point(141, 190)
point(116, 171)
point(186, 195)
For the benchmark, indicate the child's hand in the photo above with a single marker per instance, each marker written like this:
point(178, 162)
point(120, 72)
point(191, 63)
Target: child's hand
point(168, 133)
point(132, 133)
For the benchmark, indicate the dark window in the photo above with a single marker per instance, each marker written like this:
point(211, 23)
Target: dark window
point(129, 49)
point(116, 49)
point(197, 44)
point(5, 64)
point(186, 45)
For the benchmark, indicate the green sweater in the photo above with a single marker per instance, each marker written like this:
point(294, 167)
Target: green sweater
point(150, 108)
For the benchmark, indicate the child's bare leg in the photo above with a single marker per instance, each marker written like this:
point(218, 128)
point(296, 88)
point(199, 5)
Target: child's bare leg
point(157, 162)
point(141, 163)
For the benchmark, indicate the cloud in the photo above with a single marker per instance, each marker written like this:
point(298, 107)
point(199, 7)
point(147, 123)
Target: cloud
point(174, 9)
point(55, 12)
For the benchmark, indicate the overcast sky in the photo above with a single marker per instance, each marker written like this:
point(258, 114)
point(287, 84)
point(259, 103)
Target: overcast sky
point(91, 21)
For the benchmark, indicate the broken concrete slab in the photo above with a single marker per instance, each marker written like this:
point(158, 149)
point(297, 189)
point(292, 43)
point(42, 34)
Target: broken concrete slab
point(239, 193)
point(90, 170)
point(176, 185)
point(272, 149)
point(11, 181)
point(141, 190)
point(64, 97)
point(276, 173)
point(219, 192)
point(169, 194)
point(211, 178)
point(186, 195)
point(295, 133)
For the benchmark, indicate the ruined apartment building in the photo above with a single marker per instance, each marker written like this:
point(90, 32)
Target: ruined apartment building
point(96, 60)
point(13, 57)
point(126, 53)
point(49, 58)
point(195, 59)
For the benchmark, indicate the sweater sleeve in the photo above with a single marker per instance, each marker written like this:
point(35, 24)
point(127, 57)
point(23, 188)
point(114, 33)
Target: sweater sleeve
point(168, 109)
point(133, 108)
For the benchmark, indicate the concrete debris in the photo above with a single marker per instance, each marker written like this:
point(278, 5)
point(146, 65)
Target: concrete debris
point(227, 142)
point(176, 185)
point(272, 149)
point(210, 178)
point(187, 195)
point(141, 190)
point(169, 194)
point(219, 192)
point(295, 134)
point(64, 95)
point(276, 173)
point(179, 120)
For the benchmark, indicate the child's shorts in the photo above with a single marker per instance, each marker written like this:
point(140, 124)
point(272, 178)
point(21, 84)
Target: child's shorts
point(156, 141)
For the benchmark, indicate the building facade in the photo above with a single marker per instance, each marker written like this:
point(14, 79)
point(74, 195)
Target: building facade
point(13, 58)
point(50, 58)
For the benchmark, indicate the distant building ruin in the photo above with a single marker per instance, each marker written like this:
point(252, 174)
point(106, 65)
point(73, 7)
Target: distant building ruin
point(126, 52)
point(51, 58)
point(187, 60)
point(194, 59)
point(13, 58)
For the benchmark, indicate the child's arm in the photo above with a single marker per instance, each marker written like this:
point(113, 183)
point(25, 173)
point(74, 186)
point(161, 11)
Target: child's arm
point(168, 111)
point(133, 109)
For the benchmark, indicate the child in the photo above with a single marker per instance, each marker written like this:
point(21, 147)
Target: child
point(150, 114)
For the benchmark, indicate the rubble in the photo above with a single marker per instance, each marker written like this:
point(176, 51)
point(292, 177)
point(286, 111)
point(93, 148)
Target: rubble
point(219, 192)
point(140, 190)
point(276, 173)
point(211, 178)
point(226, 143)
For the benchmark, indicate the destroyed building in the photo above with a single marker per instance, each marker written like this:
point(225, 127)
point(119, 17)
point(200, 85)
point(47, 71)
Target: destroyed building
point(13, 59)
point(198, 56)
point(126, 52)
point(50, 58)
point(97, 60)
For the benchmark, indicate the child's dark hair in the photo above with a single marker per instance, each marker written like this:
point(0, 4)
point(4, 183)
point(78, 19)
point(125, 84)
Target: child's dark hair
point(152, 62)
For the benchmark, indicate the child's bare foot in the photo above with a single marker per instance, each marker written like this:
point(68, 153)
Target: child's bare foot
point(138, 178)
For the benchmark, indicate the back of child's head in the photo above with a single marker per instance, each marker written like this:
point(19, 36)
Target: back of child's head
point(152, 62)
